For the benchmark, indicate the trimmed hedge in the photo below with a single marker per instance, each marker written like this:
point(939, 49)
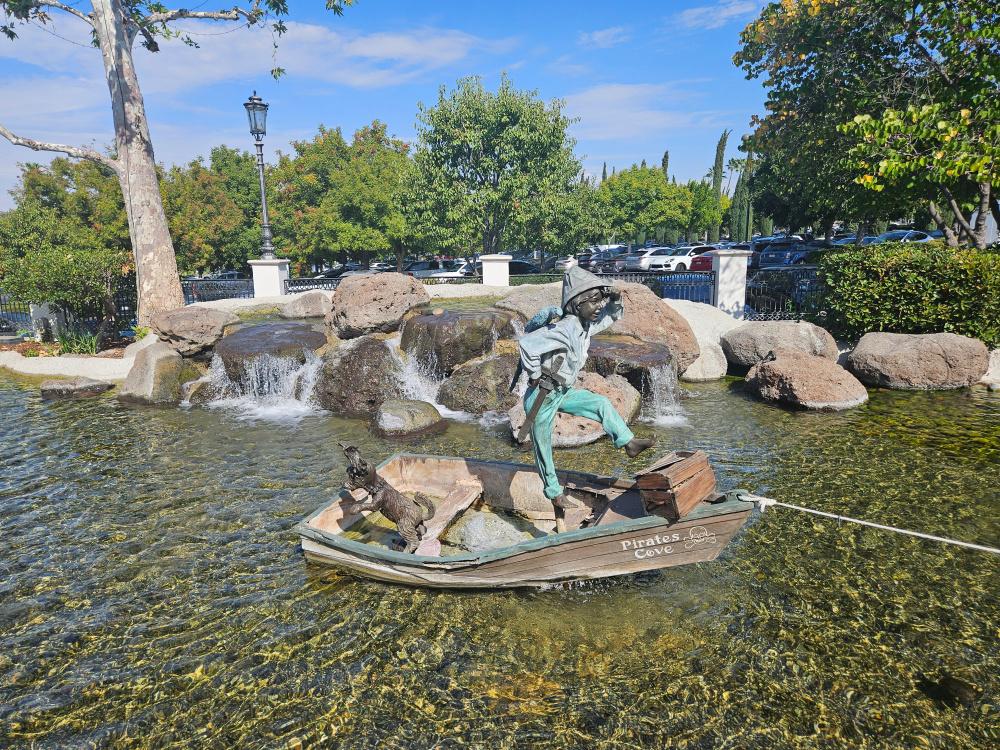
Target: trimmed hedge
point(913, 288)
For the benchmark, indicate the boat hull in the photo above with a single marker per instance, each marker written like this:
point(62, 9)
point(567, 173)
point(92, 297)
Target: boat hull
point(630, 545)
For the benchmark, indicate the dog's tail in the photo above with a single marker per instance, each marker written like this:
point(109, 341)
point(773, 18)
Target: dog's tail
point(424, 502)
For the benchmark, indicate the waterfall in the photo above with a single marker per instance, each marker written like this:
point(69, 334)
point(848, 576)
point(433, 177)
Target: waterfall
point(663, 408)
point(420, 382)
point(269, 388)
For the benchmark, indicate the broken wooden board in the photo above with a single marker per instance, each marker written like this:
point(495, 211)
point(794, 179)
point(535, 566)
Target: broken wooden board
point(454, 503)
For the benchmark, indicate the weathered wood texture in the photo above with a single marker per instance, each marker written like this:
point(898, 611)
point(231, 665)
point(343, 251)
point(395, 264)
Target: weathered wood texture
point(676, 484)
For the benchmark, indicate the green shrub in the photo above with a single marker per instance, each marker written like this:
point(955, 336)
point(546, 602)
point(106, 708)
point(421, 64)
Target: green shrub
point(78, 342)
point(913, 288)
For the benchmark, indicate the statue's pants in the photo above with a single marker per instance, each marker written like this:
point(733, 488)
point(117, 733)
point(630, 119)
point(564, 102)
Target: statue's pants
point(579, 403)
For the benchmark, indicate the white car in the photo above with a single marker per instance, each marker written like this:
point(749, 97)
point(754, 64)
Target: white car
point(564, 264)
point(677, 258)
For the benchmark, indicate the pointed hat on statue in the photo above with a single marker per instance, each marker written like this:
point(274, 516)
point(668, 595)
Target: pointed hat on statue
point(577, 281)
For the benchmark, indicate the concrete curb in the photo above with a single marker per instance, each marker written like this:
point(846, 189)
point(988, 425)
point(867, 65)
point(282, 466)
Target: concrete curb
point(96, 368)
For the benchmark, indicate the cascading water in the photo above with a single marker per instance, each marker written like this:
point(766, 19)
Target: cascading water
point(662, 407)
point(420, 381)
point(268, 388)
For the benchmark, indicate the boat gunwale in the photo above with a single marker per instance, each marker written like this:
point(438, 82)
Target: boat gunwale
point(362, 549)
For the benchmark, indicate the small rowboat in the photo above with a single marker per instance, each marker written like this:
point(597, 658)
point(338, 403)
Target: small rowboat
point(615, 532)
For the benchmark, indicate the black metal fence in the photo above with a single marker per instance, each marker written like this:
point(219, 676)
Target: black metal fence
point(305, 285)
point(206, 290)
point(14, 316)
point(785, 293)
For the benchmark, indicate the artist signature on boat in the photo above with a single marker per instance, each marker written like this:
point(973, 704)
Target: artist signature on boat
point(666, 544)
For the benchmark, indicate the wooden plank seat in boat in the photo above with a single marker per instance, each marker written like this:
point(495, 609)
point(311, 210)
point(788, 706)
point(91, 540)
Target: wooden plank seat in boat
point(460, 498)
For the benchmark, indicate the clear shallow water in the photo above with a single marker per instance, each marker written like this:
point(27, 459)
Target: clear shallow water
point(152, 593)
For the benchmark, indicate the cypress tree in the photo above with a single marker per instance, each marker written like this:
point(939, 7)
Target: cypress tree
point(738, 210)
point(665, 164)
point(720, 155)
point(604, 172)
point(643, 165)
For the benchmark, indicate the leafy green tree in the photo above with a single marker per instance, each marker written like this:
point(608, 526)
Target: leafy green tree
point(640, 200)
point(238, 172)
point(492, 153)
point(204, 220)
point(49, 257)
point(897, 99)
point(706, 211)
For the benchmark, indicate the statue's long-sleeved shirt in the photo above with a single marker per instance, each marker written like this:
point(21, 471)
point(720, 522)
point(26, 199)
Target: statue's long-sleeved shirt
point(568, 337)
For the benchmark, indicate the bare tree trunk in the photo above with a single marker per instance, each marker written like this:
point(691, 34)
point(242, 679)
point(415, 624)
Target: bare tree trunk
point(156, 267)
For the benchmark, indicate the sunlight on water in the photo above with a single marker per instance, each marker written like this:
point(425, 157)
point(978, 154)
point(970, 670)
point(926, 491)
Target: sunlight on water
point(662, 407)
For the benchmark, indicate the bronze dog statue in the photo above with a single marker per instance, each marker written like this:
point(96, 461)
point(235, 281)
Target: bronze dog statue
point(408, 515)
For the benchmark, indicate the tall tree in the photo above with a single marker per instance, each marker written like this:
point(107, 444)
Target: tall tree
point(897, 99)
point(604, 172)
point(665, 164)
point(492, 153)
point(115, 25)
point(717, 169)
point(641, 201)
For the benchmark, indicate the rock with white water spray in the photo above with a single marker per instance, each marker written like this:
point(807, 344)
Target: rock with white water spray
point(314, 304)
point(629, 357)
point(919, 361)
point(73, 388)
point(792, 377)
point(444, 339)
point(570, 431)
point(157, 375)
point(991, 379)
point(404, 418)
point(372, 303)
point(288, 340)
point(192, 330)
point(648, 319)
point(749, 343)
point(481, 385)
point(357, 377)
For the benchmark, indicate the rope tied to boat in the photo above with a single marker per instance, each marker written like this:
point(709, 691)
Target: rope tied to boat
point(767, 502)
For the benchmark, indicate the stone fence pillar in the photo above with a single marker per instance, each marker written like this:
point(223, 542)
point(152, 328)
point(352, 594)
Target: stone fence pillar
point(730, 268)
point(47, 322)
point(269, 277)
point(496, 270)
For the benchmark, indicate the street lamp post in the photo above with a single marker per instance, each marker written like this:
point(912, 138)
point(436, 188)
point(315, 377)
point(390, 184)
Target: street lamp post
point(257, 115)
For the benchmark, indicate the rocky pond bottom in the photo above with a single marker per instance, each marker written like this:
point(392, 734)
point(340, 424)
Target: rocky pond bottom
point(153, 594)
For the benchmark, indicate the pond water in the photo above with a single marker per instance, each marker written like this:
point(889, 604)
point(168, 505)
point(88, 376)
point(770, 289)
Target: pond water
point(153, 593)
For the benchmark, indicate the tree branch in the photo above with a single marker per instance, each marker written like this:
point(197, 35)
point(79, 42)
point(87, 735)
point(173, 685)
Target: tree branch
point(949, 233)
point(77, 151)
point(69, 9)
point(214, 15)
point(957, 210)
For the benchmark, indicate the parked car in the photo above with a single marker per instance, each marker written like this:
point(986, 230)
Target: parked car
point(666, 258)
point(381, 266)
point(564, 264)
point(784, 251)
point(902, 235)
point(423, 269)
point(613, 261)
point(227, 276)
point(640, 259)
point(330, 273)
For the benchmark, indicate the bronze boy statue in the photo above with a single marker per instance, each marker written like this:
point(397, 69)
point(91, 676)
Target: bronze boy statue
point(553, 356)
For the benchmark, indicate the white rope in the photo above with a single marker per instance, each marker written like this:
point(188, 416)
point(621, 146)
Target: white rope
point(766, 502)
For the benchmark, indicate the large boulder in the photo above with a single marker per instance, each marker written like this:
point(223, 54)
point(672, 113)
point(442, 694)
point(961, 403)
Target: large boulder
point(570, 431)
point(749, 343)
point(481, 385)
point(444, 339)
point(629, 357)
point(992, 377)
point(373, 303)
point(404, 418)
point(357, 377)
point(191, 330)
point(156, 376)
point(648, 319)
point(915, 361)
point(73, 388)
point(527, 299)
point(314, 304)
point(240, 349)
point(709, 323)
point(791, 377)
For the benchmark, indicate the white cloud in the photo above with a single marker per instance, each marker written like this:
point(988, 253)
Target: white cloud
point(564, 65)
point(633, 110)
point(604, 38)
point(718, 15)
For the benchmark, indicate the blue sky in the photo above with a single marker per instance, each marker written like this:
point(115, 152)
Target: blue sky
point(640, 76)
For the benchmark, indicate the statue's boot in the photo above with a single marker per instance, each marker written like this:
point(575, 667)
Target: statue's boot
point(635, 446)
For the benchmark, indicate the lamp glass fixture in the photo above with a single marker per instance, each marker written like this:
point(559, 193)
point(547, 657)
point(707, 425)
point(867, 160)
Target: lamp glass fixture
point(257, 115)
